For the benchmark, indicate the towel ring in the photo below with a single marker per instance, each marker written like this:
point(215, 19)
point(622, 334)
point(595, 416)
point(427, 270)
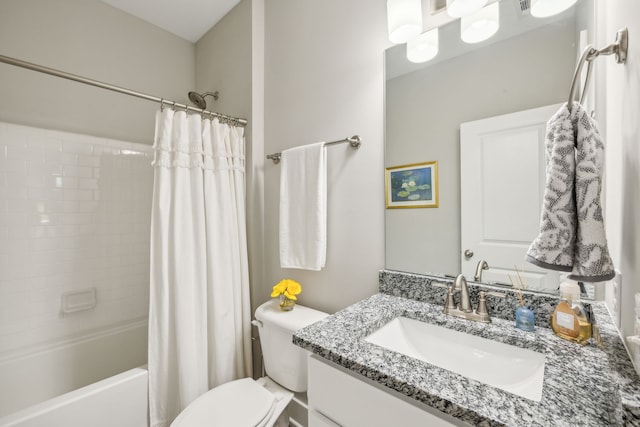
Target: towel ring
point(618, 48)
point(588, 54)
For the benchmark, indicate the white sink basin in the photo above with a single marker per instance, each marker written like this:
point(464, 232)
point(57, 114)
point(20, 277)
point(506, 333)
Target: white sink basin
point(510, 368)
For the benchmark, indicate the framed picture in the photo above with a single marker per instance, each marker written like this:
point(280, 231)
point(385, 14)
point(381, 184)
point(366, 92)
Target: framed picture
point(412, 186)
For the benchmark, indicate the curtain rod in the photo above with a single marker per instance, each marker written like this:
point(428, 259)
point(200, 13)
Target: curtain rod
point(354, 141)
point(51, 71)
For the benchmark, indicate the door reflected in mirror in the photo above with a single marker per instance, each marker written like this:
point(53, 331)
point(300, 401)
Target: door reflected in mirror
point(528, 64)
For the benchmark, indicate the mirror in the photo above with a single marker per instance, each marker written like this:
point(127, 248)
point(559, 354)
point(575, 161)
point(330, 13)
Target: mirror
point(529, 63)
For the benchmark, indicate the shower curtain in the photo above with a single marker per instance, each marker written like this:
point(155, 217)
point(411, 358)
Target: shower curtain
point(199, 313)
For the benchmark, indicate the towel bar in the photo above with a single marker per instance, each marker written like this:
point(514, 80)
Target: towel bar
point(354, 141)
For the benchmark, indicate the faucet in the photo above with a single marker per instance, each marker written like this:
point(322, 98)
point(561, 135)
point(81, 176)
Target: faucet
point(465, 299)
point(464, 309)
point(482, 265)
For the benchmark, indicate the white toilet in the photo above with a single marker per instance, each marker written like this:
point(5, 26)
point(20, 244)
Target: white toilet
point(250, 403)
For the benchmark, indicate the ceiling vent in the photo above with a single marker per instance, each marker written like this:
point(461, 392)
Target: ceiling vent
point(525, 7)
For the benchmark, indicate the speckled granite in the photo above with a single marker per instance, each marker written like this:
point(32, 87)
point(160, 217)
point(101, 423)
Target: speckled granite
point(583, 386)
point(418, 287)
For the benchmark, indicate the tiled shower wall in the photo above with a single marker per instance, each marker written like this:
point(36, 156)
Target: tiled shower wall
point(74, 215)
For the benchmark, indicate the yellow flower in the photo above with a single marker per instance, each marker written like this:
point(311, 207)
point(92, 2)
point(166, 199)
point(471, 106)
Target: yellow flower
point(290, 288)
point(290, 296)
point(279, 288)
point(293, 287)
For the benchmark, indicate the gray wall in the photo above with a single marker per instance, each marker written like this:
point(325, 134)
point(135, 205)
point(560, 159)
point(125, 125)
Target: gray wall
point(617, 110)
point(93, 40)
point(223, 62)
point(324, 81)
point(424, 110)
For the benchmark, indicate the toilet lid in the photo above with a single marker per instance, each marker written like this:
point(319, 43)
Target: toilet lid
point(242, 403)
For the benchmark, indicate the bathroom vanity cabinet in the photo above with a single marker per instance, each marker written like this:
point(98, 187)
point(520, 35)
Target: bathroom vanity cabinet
point(339, 398)
point(354, 382)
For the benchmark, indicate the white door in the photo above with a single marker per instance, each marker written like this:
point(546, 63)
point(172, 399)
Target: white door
point(502, 168)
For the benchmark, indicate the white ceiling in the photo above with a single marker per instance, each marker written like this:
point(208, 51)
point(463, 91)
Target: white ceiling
point(189, 19)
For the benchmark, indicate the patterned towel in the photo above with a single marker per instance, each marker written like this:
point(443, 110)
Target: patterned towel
point(572, 236)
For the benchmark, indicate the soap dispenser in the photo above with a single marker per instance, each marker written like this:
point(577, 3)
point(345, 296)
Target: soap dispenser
point(569, 320)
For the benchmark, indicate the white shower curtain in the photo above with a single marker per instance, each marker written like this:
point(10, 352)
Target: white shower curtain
point(199, 313)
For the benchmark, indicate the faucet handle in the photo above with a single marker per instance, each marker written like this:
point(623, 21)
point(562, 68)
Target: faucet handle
point(482, 310)
point(449, 301)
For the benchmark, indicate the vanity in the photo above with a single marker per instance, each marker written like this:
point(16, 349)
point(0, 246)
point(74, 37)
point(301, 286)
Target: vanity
point(354, 382)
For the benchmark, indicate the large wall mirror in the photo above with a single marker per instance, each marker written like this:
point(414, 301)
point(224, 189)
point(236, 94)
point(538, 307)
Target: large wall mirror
point(528, 64)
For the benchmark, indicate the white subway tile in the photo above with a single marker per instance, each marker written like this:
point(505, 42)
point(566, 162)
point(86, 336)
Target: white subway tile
point(88, 183)
point(44, 169)
point(77, 147)
point(69, 159)
point(84, 160)
point(43, 194)
point(45, 244)
point(77, 195)
point(70, 219)
point(34, 180)
point(81, 171)
point(65, 181)
point(77, 218)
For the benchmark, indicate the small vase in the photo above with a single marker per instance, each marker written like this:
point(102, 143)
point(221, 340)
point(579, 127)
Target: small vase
point(525, 319)
point(286, 304)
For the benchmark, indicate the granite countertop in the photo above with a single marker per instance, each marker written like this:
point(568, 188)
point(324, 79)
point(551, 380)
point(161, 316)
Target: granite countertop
point(583, 385)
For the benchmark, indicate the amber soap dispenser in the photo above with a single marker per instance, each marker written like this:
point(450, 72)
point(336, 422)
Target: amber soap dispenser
point(569, 320)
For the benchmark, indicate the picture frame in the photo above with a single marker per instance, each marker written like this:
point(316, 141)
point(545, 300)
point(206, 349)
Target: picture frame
point(412, 186)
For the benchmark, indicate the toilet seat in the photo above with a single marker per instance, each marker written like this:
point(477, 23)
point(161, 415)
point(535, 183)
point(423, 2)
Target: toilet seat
point(242, 402)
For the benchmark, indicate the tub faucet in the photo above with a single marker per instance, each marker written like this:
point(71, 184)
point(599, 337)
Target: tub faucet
point(482, 265)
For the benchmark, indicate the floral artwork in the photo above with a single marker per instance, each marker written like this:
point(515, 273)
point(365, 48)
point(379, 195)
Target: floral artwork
point(412, 186)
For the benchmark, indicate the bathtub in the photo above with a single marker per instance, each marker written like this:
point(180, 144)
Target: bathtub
point(119, 401)
point(91, 380)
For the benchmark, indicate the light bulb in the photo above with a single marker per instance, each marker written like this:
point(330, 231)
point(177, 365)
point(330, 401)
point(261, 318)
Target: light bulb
point(424, 47)
point(404, 19)
point(481, 25)
point(546, 8)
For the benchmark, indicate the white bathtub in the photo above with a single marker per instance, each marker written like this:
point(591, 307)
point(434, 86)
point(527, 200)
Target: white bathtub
point(119, 401)
point(85, 376)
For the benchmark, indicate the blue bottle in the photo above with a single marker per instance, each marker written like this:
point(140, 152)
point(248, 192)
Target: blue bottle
point(525, 319)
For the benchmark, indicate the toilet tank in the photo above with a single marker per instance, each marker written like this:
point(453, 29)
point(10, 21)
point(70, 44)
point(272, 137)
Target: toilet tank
point(285, 362)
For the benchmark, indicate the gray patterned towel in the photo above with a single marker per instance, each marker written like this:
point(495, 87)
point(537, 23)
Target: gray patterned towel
point(572, 236)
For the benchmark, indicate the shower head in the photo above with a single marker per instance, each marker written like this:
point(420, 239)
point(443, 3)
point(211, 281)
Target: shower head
point(198, 98)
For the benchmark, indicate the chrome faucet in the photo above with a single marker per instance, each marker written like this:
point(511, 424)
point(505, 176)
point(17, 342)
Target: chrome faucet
point(482, 265)
point(464, 309)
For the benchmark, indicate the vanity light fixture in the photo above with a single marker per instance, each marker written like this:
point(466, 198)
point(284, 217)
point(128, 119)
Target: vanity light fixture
point(546, 8)
point(480, 25)
point(460, 8)
point(404, 20)
point(424, 47)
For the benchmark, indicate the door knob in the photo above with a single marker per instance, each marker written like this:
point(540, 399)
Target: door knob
point(468, 253)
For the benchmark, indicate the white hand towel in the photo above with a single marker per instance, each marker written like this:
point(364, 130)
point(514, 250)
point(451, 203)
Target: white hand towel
point(572, 236)
point(303, 207)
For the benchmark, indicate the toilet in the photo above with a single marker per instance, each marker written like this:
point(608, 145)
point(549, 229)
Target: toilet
point(260, 403)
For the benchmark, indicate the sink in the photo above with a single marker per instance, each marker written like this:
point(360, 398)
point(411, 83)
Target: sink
point(507, 367)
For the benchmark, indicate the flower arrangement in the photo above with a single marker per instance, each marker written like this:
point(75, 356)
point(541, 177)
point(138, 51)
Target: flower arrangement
point(287, 290)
